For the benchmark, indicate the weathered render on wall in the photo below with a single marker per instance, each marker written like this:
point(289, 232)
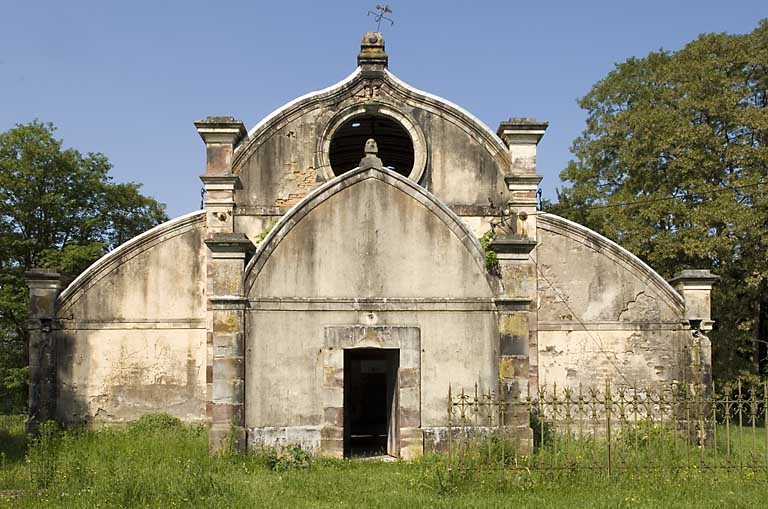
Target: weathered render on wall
point(131, 330)
point(370, 250)
point(603, 313)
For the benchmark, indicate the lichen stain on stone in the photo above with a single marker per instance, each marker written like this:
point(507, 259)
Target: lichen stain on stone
point(227, 323)
point(514, 324)
point(512, 367)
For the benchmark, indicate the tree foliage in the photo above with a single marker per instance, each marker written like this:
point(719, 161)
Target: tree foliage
point(59, 209)
point(672, 165)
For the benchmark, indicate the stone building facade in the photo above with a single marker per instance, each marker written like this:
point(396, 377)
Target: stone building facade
point(333, 288)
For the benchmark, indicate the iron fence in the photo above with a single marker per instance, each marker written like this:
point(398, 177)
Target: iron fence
point(612, 428)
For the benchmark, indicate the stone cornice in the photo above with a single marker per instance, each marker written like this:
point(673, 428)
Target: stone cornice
point(43, 278)
point(225, 245)
point(221, 182)
point(221, 130)
point(513, 245)
point(517, 181)
point(703, 279)
point(522, 131)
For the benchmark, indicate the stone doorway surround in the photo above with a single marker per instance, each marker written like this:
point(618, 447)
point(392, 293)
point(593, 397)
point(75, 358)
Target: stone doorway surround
point(407, 339)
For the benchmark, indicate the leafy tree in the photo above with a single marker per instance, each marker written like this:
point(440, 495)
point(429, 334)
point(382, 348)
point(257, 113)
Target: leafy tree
point(58, 209)
point(672, 165)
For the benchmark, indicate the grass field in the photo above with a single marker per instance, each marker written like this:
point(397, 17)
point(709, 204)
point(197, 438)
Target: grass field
point(160, 463)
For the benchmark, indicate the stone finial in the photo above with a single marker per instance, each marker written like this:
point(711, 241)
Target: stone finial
point(44, 287)
point(372, 55)
point(695, 286)
point(521, 136)
point(371, 159)
point(521, 131)
point(225, 130)
point(220, 135)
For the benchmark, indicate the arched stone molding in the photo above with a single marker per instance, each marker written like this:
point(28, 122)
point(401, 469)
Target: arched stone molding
point(289, 111)
point(414, 131)
point(396, 95)
point(613, 251)
point(346, 180)
point(105, 265)
point(449, 110)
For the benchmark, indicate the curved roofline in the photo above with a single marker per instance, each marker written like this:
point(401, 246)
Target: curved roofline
point(308, 95)
point(446, 104)
point(301, 101)
point(110, 261)
point(346, 180)
point(606, 246)
point(468, 120)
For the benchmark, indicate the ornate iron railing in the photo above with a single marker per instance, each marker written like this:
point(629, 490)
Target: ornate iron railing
point(612, 427)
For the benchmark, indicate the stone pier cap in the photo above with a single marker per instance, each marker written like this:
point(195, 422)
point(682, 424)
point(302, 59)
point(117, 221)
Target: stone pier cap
point(695, 286)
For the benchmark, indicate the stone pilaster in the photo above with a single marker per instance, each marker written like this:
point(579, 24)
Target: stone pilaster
point(521, 136)
point(695, 286)
point(225, 264)
point(517, 322)
point(44, 288)
point(226, 336)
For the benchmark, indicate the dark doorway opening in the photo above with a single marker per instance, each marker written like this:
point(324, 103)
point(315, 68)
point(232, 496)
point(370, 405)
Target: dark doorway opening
point(348, 144)
point(370, 401)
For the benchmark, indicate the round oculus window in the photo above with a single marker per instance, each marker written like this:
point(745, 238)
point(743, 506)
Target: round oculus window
point(394, 142)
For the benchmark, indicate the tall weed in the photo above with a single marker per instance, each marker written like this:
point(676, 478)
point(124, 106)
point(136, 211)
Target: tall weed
point(42, 454)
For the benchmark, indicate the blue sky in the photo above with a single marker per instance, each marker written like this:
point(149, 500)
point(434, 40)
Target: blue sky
point(128, 78)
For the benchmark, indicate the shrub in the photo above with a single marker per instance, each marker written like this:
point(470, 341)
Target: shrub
point(154, 423)
point(290, 458)
point(491, 258)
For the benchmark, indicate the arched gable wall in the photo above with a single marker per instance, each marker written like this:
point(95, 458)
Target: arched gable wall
point(603, 313)
point(132, 336)
point(450, 221)
point(284, 157)
point(368, 249)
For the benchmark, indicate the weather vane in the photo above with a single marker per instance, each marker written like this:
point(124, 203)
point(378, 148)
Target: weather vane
point(383, 9)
